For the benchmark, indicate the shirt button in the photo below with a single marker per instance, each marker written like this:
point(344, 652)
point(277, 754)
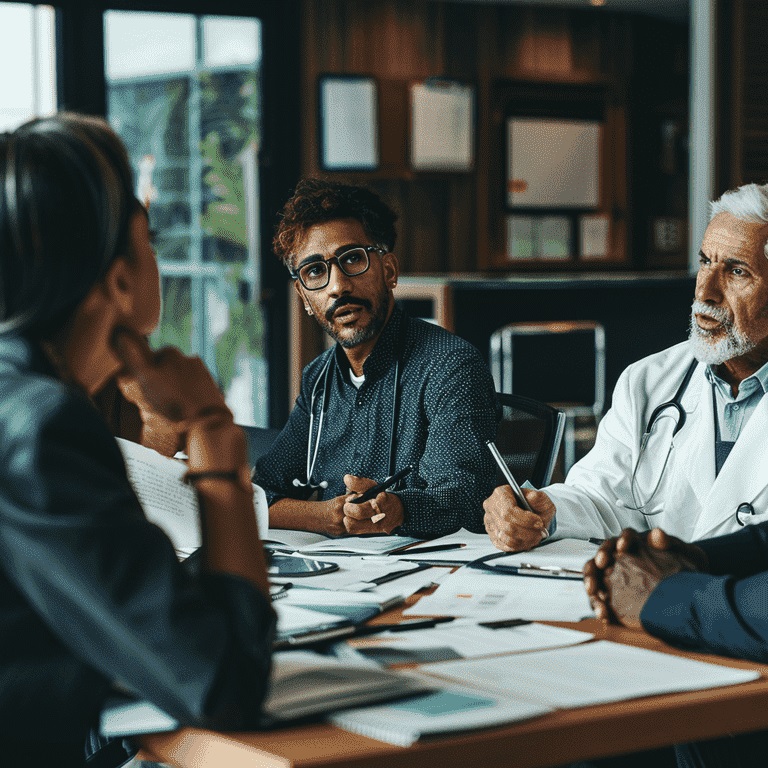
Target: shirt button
point(735, 407)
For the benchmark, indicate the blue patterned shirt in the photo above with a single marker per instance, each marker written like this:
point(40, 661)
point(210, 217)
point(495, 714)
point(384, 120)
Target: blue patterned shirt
point(446, 413)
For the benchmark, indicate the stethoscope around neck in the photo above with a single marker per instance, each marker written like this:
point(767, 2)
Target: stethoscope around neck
point(313, 447)
point(675, 404)
point(743, 512)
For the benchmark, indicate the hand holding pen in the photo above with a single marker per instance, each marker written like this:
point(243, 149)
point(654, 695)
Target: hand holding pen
point(372, 509)
point(516, 520)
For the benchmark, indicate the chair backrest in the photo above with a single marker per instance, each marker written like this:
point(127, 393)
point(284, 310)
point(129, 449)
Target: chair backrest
point(552, 360)
point(259, 439)
point(528, 437)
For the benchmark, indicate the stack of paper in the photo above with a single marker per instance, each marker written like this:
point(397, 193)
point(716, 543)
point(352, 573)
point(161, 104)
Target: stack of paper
point(492, 691)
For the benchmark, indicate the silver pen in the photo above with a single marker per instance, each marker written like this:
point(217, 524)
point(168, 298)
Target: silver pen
point(553, 569)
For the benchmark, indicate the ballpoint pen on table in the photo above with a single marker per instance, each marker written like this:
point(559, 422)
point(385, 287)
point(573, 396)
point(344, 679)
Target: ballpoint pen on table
point(417, 550)
point(404, 626)
point(387, 577)
point(554, 569)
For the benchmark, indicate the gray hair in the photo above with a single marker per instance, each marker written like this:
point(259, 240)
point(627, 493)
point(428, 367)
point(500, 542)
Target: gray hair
point(748, 203)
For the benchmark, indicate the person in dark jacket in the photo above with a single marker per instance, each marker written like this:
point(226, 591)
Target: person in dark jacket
point(704, 596)
point(92, 597)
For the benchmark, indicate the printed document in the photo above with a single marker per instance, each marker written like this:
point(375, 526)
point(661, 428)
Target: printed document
point(168, 501)
point(490, 597)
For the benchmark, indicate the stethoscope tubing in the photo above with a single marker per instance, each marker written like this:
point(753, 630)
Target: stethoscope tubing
point(312, 453)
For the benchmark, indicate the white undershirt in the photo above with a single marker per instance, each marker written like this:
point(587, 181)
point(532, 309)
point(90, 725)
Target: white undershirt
point(356, 380)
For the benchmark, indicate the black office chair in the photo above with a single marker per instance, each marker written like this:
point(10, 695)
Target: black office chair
point(528, 437)
point(260, 440)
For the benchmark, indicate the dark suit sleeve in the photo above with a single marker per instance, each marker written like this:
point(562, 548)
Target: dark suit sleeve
point(724, 611)
point(106, 582)
point(456, 468)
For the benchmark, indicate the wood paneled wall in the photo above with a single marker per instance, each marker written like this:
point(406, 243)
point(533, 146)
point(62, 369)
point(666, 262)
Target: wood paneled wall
point(743, 79)
point(446, 219)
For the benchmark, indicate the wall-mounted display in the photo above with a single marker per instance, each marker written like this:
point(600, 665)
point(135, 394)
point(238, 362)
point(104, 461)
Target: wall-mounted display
point(553, 163)
point(348, 120)
point(442, 126)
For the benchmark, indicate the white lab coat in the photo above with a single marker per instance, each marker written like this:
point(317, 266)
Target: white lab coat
point(691, 502)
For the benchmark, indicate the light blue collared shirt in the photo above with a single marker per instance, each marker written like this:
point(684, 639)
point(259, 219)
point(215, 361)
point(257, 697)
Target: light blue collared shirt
point(733, 413)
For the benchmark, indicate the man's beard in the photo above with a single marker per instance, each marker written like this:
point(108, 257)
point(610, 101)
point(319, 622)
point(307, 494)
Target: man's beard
point(360, 335)
point(732, 343)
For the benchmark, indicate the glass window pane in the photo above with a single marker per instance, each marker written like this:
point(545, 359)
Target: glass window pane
point(143, 44)
point(175, 327)
point(228, 42)
point(193, 135)
point(27, 49)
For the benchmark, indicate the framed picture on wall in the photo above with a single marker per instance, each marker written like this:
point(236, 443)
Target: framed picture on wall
point(348, 122)
point(442, 126)
point(553, 163)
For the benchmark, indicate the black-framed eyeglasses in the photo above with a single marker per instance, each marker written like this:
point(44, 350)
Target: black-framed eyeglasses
point(315, 275)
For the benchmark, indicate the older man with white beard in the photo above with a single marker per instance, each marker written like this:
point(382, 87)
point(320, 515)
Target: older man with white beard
point(683, 446)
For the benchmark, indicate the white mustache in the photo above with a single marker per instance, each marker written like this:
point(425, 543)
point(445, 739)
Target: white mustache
point(718, 314)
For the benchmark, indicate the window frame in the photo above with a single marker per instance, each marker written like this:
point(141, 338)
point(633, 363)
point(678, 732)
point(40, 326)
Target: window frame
point(81, 87)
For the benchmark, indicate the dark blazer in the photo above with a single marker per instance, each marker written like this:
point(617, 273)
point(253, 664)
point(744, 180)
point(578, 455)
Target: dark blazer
point(724, 611)
point(92, 597)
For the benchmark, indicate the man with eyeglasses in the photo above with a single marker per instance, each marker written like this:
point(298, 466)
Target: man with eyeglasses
point(393, 391)
point(682, 447)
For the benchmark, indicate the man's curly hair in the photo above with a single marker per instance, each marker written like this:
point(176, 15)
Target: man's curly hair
point(317, 201)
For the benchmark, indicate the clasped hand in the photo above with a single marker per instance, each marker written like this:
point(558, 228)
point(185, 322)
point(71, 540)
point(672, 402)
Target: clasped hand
point(625, 570)
point(381, 514)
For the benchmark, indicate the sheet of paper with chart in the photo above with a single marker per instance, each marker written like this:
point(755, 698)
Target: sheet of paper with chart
point(490, 597)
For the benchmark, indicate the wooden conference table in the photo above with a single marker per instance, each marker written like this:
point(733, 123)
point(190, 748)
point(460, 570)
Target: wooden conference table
point(550, 740)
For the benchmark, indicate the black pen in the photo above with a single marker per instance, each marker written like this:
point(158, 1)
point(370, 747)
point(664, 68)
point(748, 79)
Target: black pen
point(388, 482)
point(404, 626)
point(594, 540)
point(416, 550)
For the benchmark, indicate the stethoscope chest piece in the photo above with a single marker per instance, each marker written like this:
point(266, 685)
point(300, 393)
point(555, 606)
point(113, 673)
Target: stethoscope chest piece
point(743, 512)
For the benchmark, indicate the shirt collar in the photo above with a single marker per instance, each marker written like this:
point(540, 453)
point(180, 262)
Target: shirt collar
point(757, 382)
point(384, 353)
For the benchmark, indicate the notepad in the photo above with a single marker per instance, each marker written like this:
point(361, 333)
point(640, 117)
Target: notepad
point(450, 710)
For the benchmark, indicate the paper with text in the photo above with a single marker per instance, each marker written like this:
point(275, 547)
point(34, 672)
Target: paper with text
point(168, 501)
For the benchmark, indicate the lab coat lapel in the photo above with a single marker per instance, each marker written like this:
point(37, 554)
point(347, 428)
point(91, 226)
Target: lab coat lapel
point(695, 442)
point(743, 476)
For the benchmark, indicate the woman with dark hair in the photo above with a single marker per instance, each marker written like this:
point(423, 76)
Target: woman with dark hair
point(92, 597)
